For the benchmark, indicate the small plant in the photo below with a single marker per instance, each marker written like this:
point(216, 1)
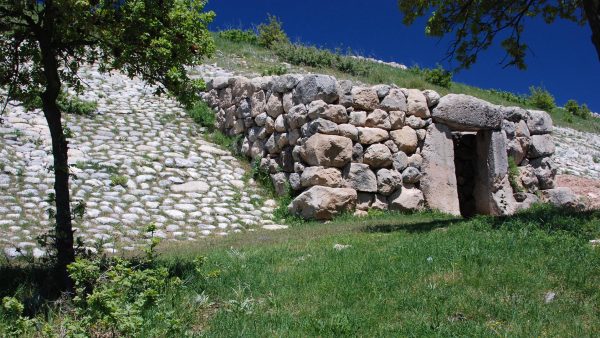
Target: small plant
point(75, 105)
point(596, 159)
point(541, 98)
point(202, 114)
point(116, 180)
point(240, 36)
point(271, 33)
point(513, 175)
point(438, 76)
point(274, 70)
point(15, 324)
point(229, 142)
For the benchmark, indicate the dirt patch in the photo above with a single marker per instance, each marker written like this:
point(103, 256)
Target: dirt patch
point(587, 188)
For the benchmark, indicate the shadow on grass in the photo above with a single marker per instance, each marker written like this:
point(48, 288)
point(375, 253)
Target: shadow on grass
point(425, 226)
point(582, 223)
point(32, 283)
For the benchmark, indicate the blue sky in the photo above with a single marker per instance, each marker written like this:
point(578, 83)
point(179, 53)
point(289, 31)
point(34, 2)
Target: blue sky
point(562, 58)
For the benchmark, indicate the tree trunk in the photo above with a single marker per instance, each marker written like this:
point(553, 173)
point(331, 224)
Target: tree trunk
point(63, 230)
point(592, 12)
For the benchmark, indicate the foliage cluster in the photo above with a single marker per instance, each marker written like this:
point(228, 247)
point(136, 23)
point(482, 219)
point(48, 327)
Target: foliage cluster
point(135, 297)
point(576, 110)
point(438, 76)
point(312, 56)
point(202, 114)
point(274, 70)
point(271, 33)
point(118, 180)
point(239, 36)
point(541, 98)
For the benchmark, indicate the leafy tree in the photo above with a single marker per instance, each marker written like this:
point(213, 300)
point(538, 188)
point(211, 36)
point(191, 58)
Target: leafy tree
point(44, 43)
point(475, 24)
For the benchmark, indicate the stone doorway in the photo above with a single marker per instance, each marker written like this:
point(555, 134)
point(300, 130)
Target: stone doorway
point(465, 162)
point(466, 171)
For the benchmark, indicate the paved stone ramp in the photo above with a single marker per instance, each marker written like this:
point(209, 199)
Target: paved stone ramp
point(188, 187)
point(577, 153)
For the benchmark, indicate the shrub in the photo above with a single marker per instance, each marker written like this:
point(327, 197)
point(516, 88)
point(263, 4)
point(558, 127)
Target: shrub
point(271, 33)
point(240, 36)
point(584, 112)
point(572, 106)
point(202, 114)
point(541, 98)
point(320, 58)
point(438, 76)
point(274, 70)
point(508, 96)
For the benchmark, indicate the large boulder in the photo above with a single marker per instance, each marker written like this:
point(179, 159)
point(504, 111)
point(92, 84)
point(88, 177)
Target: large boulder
point(378, 156)
point(439, 184)
point(467, 113)
point(328, 177)
point(539, 122)
point(541, 145)
point(285, 83)
point(394, 100)
point(360, 177)
point(372, 135)
point(562, 197)
point(378, 119)
point(316, 87)
point(327, 150)
point(405, 139)
point(407, 199)
point(388, 181)
point(323, 203)
point(417, 104)
point(365, 98)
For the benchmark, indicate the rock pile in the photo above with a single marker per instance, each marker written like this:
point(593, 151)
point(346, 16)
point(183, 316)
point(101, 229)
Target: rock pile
point(342, 148)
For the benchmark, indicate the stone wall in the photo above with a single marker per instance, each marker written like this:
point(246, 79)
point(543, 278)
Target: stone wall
point(348, 148)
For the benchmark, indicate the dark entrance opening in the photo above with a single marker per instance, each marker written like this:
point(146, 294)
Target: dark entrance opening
point(465, 162)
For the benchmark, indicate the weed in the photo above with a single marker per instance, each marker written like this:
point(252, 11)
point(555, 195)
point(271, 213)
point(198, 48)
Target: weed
point(116, 180)
point(596, 159)
point(513, 175)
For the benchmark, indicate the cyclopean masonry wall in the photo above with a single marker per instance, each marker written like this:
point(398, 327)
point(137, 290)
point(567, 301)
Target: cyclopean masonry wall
point(346, 148)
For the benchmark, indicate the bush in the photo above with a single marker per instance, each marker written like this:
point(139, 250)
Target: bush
point(271, 33)
point(584, 112)
point(274, 70)
point(320, 58)
point(572, 106)
point(240, 36)
point(438, 76)
point(202, 114)
point(541, 98)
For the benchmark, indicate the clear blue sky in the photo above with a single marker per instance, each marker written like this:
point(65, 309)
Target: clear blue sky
point(562, 58)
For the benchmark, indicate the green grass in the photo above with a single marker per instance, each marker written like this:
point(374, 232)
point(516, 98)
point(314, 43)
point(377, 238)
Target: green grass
point(403, 275)
point(249, 58)
point(409, 275)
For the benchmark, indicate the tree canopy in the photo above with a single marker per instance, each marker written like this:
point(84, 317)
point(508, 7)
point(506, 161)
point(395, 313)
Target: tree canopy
point(44, 43)
point(475, 24)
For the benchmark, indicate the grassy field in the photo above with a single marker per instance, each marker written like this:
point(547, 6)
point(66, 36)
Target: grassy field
point(534, 274)
point(251, 59)
point(408, 275)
